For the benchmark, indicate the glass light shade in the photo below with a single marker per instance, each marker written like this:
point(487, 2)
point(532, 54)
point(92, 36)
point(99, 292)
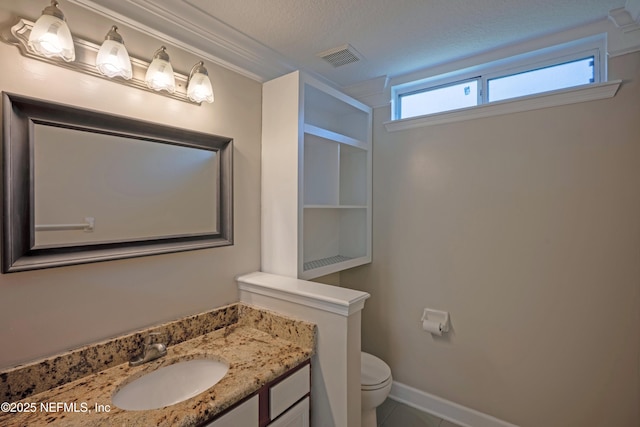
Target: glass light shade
point(199, 88)
point(160, 72)
point(50, 35)
point(113, 59)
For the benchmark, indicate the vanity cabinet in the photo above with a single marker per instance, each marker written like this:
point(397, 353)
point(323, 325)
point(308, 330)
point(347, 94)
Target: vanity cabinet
point(283, 402)
point(298, 416)
point(245, 414)
point(316, 178)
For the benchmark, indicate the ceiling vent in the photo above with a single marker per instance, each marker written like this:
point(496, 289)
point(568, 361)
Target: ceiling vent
point(341, 55)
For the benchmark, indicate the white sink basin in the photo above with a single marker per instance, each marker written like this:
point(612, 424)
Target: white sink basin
point(170, 384)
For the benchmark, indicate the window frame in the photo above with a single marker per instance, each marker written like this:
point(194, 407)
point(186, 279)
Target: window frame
point(554, 55)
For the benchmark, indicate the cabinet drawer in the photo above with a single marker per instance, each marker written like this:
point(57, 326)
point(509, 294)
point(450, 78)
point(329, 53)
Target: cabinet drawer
point(289, 391)
point(244, 415)
point(298, 416)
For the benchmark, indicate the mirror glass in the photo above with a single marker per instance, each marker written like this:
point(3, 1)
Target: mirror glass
point(131, 189)
point(83, 186)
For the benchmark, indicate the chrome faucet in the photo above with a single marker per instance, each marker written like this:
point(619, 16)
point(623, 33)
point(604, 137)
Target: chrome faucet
point(151, 350)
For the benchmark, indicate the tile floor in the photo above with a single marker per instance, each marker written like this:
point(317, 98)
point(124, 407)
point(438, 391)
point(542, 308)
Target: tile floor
point(395, 414)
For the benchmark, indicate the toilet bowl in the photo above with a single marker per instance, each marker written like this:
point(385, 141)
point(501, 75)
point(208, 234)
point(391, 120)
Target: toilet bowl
point(375, 384)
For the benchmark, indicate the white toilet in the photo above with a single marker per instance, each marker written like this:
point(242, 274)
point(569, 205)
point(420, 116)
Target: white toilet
point(375, 383)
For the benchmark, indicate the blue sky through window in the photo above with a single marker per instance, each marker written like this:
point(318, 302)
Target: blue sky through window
point(453, 97)
point(560, 76)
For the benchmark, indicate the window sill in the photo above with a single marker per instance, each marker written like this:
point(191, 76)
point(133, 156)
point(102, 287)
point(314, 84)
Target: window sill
point(590, 92)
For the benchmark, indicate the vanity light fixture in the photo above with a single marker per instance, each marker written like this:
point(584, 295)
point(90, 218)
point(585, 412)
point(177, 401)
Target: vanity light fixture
point(50, 35)
point(199, 87)
point(160, 72)
point(113, 59)
point(157, 77)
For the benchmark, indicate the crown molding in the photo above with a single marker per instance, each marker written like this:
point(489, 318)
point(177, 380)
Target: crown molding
point(183, 25)
point(633, 7)
point(627, 18)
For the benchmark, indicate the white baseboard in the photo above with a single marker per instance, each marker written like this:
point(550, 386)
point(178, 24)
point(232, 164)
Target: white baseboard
point(445, 409)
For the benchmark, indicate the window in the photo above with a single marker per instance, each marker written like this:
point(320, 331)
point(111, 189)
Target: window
point(560, 76)
point(441, 98)
point(558, 67)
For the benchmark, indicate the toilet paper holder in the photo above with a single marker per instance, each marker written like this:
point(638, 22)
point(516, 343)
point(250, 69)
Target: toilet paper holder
point(435, 321)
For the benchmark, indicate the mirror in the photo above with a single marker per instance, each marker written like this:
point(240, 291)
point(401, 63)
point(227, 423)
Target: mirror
point(82, 186)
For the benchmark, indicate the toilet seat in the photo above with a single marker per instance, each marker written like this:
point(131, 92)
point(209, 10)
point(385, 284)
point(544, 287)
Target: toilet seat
point(374, 373)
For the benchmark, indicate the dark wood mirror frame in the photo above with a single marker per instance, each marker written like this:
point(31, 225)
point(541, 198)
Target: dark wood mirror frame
point(18, 236)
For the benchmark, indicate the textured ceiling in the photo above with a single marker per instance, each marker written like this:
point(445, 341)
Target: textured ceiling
point(394, 37)
point(397, 36)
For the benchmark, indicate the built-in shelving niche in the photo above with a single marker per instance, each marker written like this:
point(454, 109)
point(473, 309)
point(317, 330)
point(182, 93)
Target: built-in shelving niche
point(334, 207)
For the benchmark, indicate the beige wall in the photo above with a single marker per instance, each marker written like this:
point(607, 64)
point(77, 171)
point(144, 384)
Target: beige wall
point(526, 228)
point(48, 311)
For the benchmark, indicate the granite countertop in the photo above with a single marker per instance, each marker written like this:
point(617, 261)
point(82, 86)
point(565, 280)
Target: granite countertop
point(258, 345)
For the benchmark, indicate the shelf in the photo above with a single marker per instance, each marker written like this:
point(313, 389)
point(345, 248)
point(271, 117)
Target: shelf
point(333, 136)
point(312, 265)
point(335, 207)
point(324, 266)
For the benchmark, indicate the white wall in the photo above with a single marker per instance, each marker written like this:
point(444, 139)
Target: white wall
point(48, 311)
point(526, 227)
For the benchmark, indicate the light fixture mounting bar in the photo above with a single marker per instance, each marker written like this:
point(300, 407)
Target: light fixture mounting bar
point(86, 53)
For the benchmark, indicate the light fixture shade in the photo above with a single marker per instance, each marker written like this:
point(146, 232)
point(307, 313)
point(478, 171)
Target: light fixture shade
point(113, 59)
point(50, 35)
point(160, 72)
point(199, 87)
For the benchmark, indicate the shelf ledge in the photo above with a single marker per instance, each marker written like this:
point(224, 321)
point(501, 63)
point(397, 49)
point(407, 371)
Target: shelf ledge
point(318, 271)
point(335, 206)
point(333, 136)
point(318, 263)
point(584, 93)
point(329, 298)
